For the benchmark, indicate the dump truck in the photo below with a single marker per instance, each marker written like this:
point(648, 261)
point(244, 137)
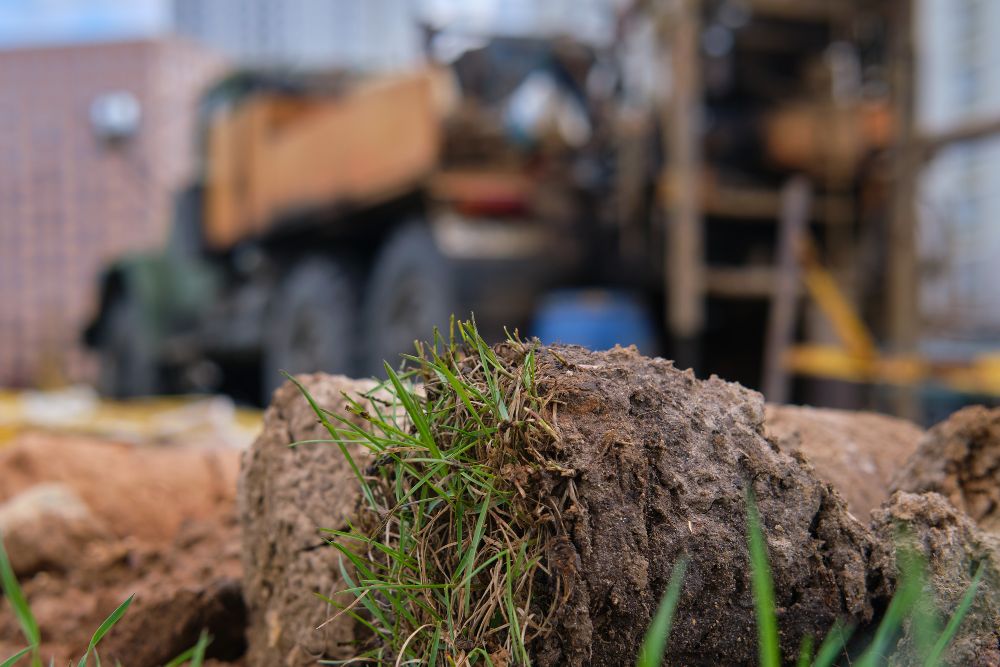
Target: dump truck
point(324, 231)
point(334, 220)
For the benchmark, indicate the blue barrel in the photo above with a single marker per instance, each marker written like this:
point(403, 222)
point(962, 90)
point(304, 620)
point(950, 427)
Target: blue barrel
point(597, 319)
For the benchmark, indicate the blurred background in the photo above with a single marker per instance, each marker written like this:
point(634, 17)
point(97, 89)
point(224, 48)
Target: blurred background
point(799, 195)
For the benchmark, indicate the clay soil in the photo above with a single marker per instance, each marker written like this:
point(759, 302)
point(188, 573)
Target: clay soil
point(158, 522)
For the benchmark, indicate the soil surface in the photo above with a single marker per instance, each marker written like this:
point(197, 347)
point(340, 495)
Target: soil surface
point(856, 452)
point(960, 459)
point(954, 547)
point(659, 465)
point(662, 461)
point(159, 522)
point(287, 495)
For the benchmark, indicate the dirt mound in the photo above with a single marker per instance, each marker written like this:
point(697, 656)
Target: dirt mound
point(954, 548)
point(286, 496)
point(159, 522)
point(856, 452)
point(143, 492)
point(960, 459)
point(662, 461)
point(45, 527)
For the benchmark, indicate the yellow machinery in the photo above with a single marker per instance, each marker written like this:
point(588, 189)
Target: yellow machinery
point(857, 358)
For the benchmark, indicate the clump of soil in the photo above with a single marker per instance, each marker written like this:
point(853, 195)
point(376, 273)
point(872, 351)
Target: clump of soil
point(960, 459)
point(856, 452)
point(286, 495)
point(662, 462)
point(648, 465)
point(159, 522)
point(142, 492)
point(652, 465)
point(954, 547)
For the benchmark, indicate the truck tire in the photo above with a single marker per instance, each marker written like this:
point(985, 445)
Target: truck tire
point(127, 359)
point(312, 323)
point(410, 291)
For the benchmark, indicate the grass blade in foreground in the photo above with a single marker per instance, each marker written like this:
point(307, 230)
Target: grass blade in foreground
point(108, 623)
point(934, 657)
point(911, 587)
point(763, 589)
point(12, 660)
point(655, 642)
point(19, 604)
point(194, 656)
point(805, 652)
point(833, 645)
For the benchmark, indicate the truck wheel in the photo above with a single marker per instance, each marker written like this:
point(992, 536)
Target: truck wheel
point(312, 323)
point(410, 292)
point(128, 365)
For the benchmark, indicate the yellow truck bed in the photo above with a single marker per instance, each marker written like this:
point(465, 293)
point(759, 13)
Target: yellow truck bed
point(277, 154)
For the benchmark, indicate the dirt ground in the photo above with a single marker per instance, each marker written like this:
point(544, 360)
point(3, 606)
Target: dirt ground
point(156, 521)
point(856, 452)
point(659, 459)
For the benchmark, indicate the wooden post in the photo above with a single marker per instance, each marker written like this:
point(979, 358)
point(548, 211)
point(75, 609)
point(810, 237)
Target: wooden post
point(684, 253)
point(796, 204)
point(903, 278)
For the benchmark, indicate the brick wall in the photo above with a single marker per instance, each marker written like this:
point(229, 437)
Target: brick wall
point(68, 202)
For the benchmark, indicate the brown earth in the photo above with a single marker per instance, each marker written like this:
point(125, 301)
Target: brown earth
point(143, 492)
point(954, 547)
point(662, 462)
point(158, 522)
point(856, 452)
point(960, 459)
point(286, 496)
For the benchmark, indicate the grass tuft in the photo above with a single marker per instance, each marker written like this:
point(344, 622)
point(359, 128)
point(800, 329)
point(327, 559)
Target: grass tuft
point(449, 556)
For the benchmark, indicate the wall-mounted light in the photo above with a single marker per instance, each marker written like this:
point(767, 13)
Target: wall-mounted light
point(115, 116)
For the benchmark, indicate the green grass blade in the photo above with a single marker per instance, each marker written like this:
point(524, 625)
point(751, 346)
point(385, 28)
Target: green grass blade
point(435, 647)
point(468, 561)
point(194, 656)
point(321, 415)
point(198, 658)
point(941, 645)
point(763, 589)
point(12, 660)
point(110, 621)
point(833, 644)
point(414, 411)
point(520, 651)
point(19, 604)
point(805, 652)
point(461, 391)
point(907, 593)
point(103, 629)
point(655, 642)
